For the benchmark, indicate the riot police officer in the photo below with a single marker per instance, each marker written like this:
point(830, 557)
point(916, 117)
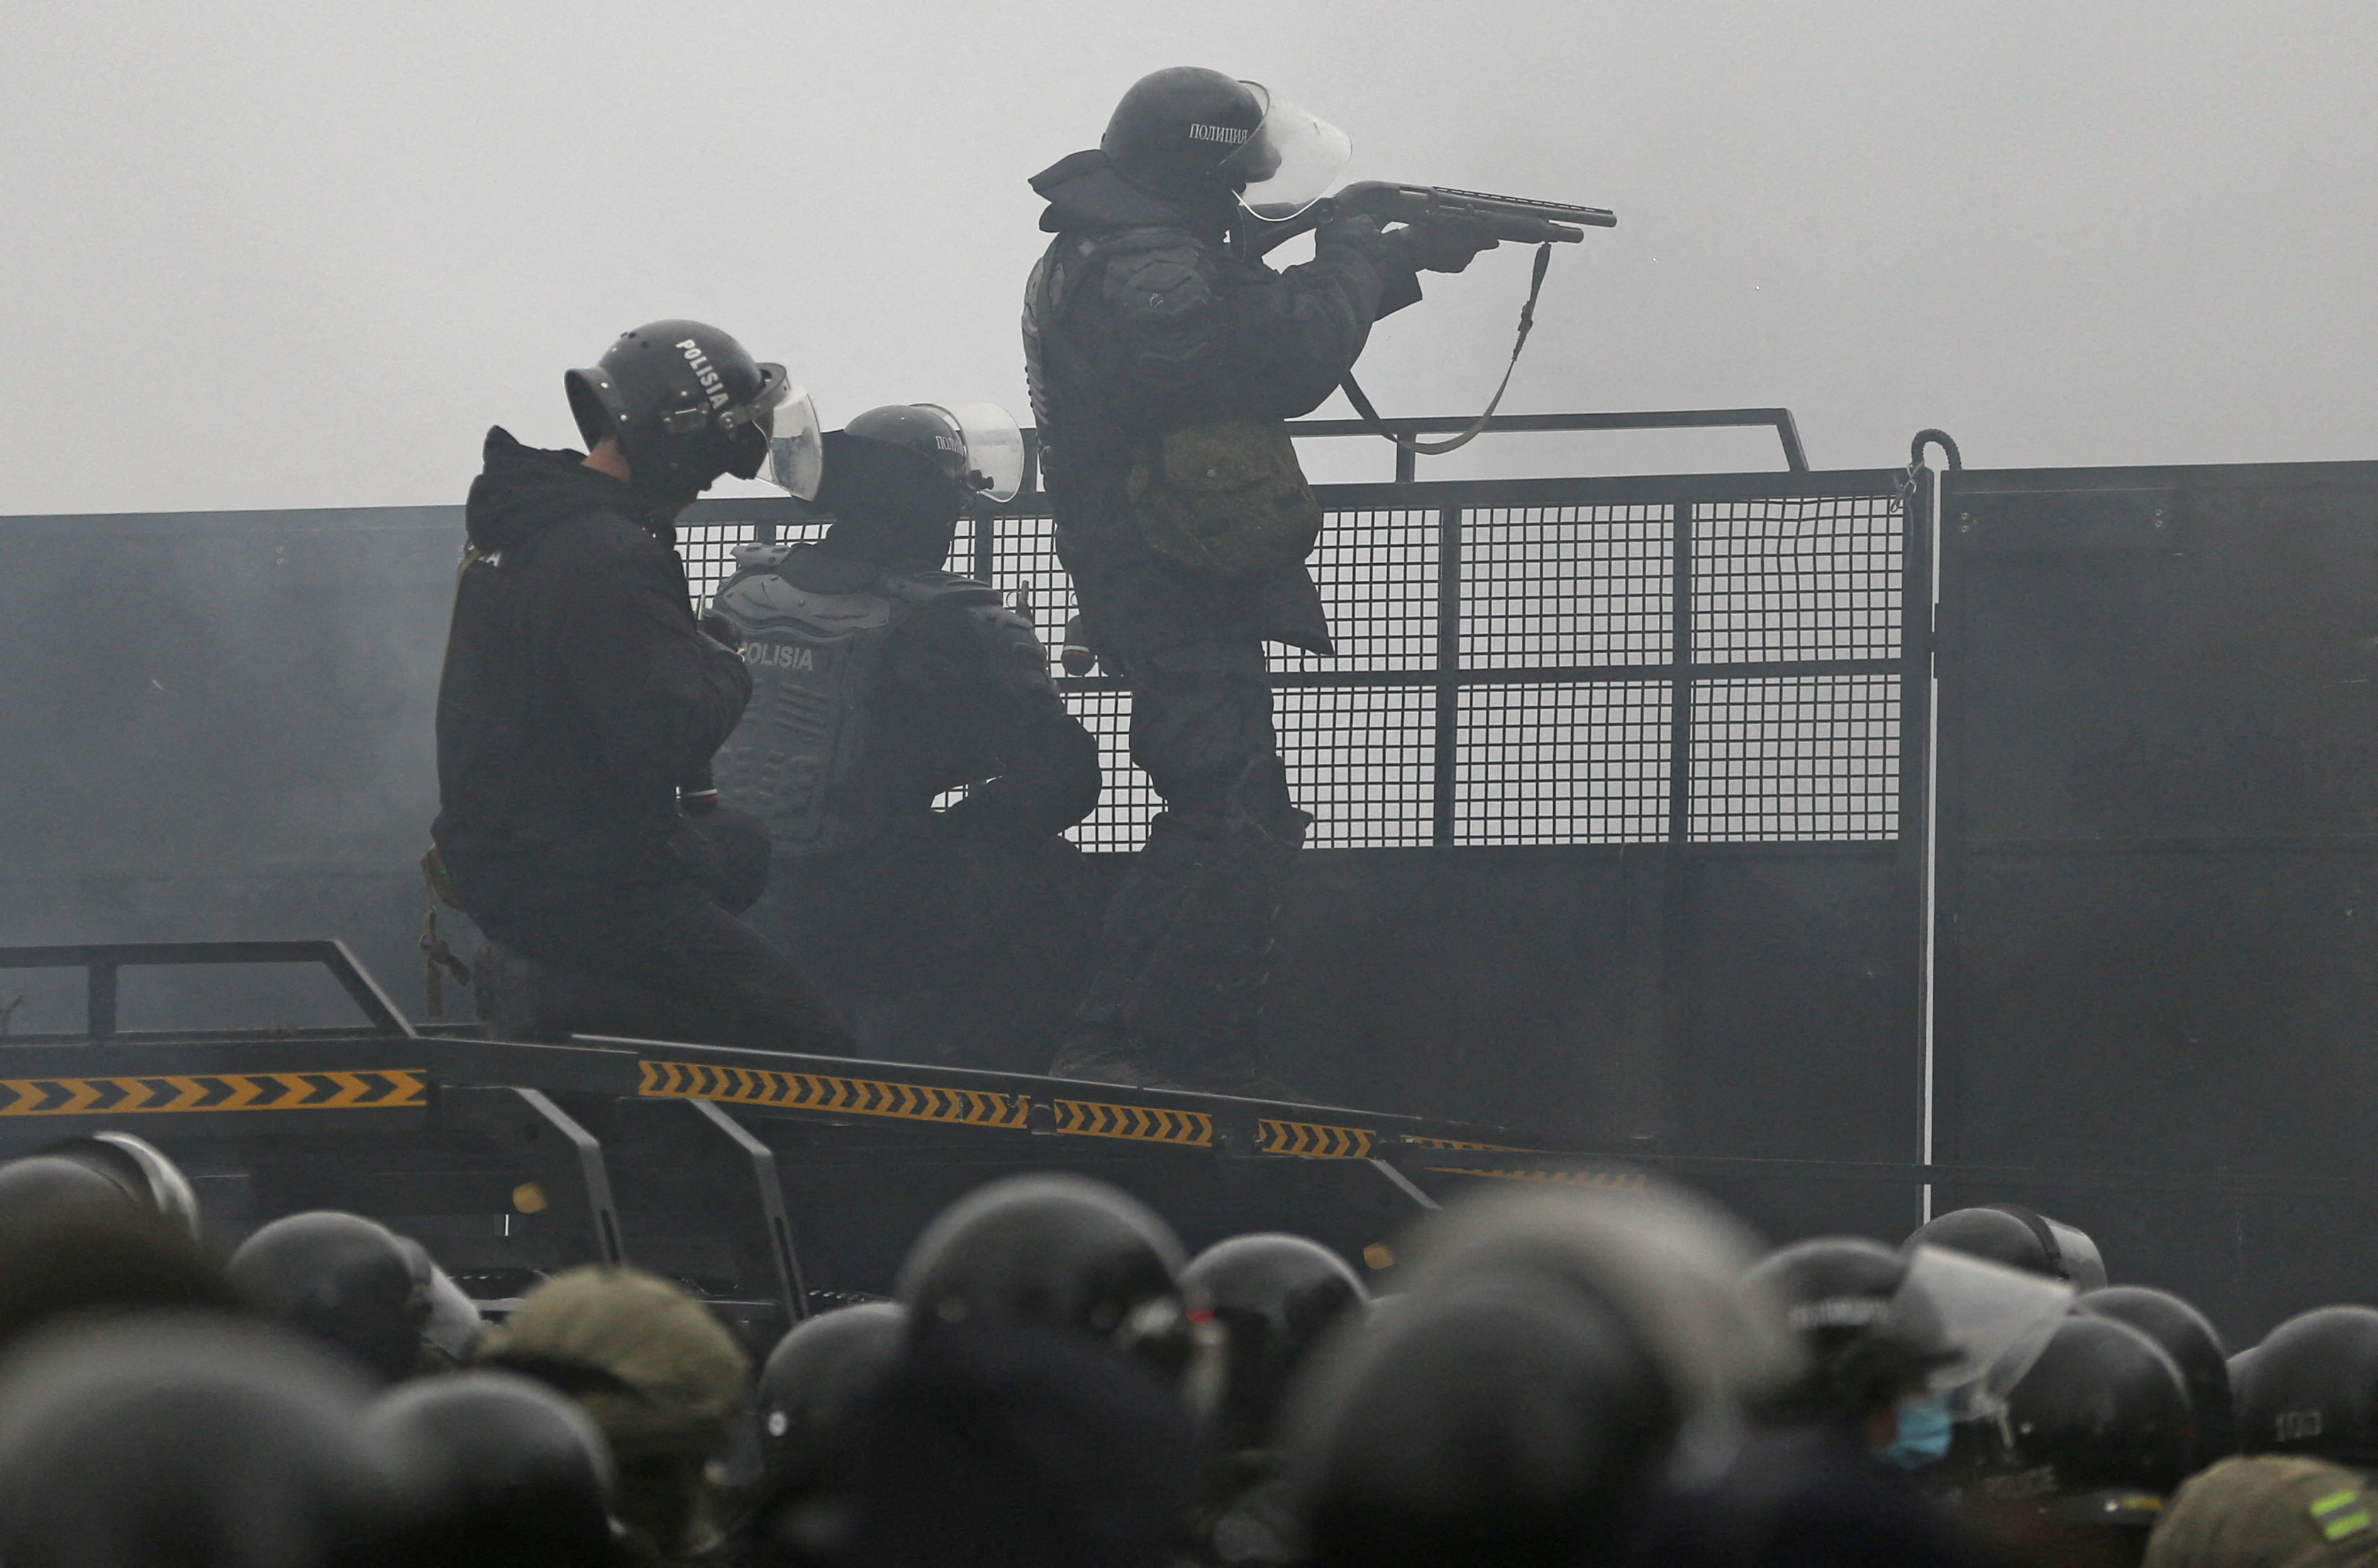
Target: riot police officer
point(1162, 357)
point(2091, 1441)
point(883, 682)
point(1826, 1477)
point(1278, 1299)
point(580, 698)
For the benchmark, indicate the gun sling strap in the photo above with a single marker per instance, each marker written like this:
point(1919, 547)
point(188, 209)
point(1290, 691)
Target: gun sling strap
point(1361, 401)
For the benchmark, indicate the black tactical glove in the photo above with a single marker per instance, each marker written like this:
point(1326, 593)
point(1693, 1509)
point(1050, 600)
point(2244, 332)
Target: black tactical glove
point(721, 630)
point(1444, 246)
point(1355, 230)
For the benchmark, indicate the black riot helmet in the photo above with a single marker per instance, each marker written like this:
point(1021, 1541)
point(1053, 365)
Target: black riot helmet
point(1054, 1251)
point(155, 1182)
point(816, 1378)
point(898, 478)
point(1513, 1422)
point(185, 1438)
point(497, 1471)
point(42, 1190)
point(687, 404)
point(896, 485)
point(1870, 1334)
point(1276, 1297)
point(2019, 1238)
point(2096, 1432)
point(2311, 1388)
point(2194, 1346)
point(922, 429)
point(344, 1279)
point(1176, 128)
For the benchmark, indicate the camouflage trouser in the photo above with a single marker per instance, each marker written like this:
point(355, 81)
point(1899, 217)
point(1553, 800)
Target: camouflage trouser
point(1187, 941)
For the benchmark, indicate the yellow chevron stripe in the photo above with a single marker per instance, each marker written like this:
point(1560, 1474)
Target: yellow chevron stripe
point(1145, 1124)
point(813, 1090)
point(1314, 1140)
point(203, 1093)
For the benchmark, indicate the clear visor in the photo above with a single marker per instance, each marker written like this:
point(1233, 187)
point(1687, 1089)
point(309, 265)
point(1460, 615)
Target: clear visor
point(1290, 161)
point(1998, 1319)
point(994, 447)
point(796, 445)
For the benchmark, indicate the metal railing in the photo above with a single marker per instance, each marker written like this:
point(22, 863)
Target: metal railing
point(1690, 659)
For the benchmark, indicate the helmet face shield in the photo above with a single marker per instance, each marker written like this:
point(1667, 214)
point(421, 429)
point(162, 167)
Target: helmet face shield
point(743, 427)
point(1290, 161)
point(1998, 1319)
point(994, 448)
point(796, 460)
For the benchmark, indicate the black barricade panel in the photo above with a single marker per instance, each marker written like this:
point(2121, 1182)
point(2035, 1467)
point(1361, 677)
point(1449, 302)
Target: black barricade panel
point(2158, 814)
point(219, 726)
point(1611, 780)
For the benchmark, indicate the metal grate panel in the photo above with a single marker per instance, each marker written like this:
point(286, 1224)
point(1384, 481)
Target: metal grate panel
point(1538, 755)
point(1128, 800)
point(1023, 566)
point(1805, 577)
point(1565, 585)
point(1363, 760)
point(707, 550)
point(1571, 764)
point(1376, 572)
point(1816, 758)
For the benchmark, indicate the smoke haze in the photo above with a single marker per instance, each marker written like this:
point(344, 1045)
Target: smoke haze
point(281, 255)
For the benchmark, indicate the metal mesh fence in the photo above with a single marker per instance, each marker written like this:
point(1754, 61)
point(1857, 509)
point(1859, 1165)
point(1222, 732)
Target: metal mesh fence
point(1377, 573)
point(1809, 758)
point(1805, 577)
point(1571, 764)
point(1563, 679)
point(1363, 760)
point(1566, 586)
point(708, 549)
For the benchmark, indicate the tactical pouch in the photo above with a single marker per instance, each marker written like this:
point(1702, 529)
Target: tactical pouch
point(1229, 497)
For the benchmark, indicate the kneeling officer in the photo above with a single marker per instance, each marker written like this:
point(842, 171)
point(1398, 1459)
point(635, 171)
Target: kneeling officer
point(883, 683)
point(580, 696)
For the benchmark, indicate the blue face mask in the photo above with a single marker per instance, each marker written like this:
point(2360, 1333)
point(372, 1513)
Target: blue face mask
point(1923, 1432)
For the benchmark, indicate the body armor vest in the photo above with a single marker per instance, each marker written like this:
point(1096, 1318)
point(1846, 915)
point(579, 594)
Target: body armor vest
point(797, 759)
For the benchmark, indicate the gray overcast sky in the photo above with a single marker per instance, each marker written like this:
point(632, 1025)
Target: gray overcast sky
point(265, 253)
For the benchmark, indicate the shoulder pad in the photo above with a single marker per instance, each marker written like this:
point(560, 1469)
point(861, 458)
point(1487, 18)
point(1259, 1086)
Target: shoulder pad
point(939, 588)
point(761, 557)
point(1167, 276)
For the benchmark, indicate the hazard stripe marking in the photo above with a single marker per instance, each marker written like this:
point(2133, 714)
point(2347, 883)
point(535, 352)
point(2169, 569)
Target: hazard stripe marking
point(1314, 1140)
point(379, 1088)
point(815, 1091)
point(1085, 1119)
point(1145, 1124)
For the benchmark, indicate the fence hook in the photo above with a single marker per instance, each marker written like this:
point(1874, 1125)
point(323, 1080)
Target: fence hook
point(1946, 442)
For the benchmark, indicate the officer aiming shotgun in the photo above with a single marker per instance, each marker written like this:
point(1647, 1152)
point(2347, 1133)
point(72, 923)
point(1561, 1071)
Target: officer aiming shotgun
point(1164, 357)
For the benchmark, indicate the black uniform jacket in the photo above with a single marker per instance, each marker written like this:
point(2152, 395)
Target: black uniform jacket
point(1138, 327)
point(579, 691)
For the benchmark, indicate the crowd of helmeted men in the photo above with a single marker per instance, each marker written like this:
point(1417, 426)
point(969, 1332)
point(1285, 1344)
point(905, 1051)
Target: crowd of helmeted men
point(1543, 1375)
